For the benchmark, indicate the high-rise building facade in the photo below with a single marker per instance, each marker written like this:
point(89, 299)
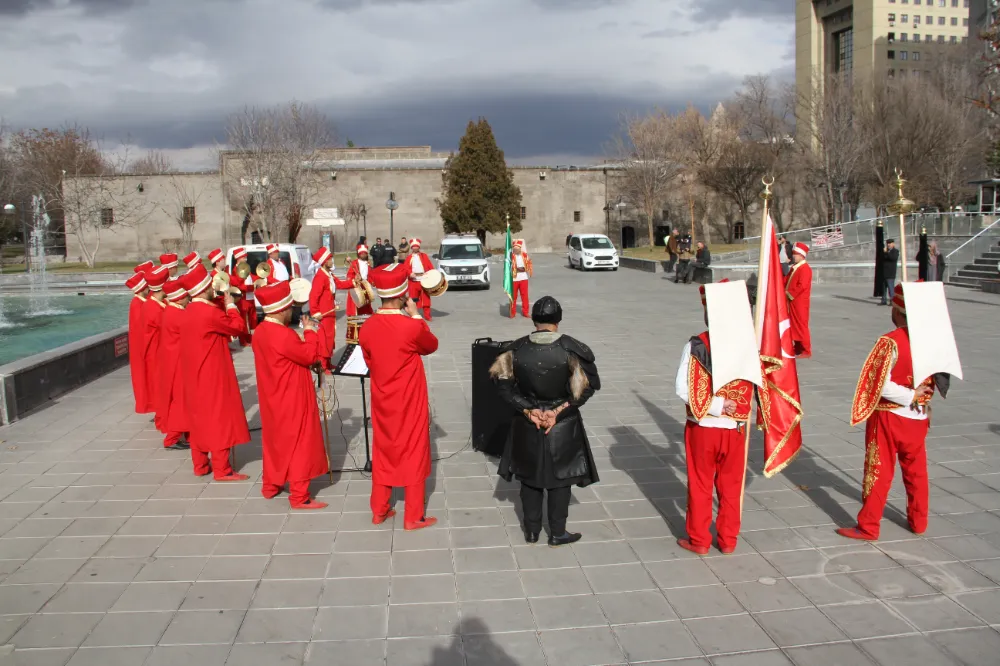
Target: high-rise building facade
point(982, 13)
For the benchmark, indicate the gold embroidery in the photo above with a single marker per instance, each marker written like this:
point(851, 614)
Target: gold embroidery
point(873, 375)
point(699, 399)
point(872, 465)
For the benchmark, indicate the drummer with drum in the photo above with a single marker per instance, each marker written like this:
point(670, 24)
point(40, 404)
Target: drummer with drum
point(420, 265)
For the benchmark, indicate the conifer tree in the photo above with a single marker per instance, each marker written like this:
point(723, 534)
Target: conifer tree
point(478, 190)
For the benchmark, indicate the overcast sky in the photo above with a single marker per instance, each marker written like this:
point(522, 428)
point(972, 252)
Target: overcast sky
point(552, 76)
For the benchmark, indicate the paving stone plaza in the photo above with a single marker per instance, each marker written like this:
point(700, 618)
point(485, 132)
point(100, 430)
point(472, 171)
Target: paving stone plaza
point(113, 553)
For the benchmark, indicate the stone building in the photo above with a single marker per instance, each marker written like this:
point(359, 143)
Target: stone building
point(206, 210)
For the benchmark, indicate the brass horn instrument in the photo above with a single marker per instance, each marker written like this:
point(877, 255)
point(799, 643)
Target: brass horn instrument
point(263, 270)
point(242, 270)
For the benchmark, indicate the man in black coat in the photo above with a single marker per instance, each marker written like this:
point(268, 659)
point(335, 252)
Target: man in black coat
point(547, 377)
point(702, 259)
point(376, 252)
point(388, 253)
point(889, 260)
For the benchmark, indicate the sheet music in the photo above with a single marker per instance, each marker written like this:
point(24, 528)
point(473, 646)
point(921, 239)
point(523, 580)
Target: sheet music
point(352, 362)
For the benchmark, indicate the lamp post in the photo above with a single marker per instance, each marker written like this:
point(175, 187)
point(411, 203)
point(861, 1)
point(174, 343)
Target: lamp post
point(364, 220)
point(620, 205)
point(392, 205)
point(607, 218)
point(8, 214)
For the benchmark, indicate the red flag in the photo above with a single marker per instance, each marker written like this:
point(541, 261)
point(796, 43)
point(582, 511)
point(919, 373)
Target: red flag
point(780, 409)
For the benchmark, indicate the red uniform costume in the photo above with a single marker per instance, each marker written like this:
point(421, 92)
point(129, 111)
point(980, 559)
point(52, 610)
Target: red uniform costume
point(419, 263)
point(323, 304)
point(392, 344)
point(273, 262)
point(172, 405)
point(169, 262)
point(294, 450)
point(246, 304)
point(137, 344)
point(214, 404)
point(521, 266)
point(894, 430)
point(152, 314)
point(191, 260)
point(798, 289)
point(358, 268)
point(716, 446)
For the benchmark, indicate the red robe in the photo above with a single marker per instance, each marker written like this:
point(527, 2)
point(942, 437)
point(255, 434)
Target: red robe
point(152, 314)
point(392, 344)
point(417, 292)
point(354, 271)
point(293, 439)
point(322, 302)
point(245, 304)
point(798, 289)
point(173, 404)
point(136, 356)
point(214, 403)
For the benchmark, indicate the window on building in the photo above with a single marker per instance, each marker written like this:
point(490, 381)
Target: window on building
point(188, 215)
point(941, 20)
point(940, 39)
point(892, 17)
point(903, 55)
point(891, 54)
point(524, 213)
point(739, 231)
point(965, 22)
point(107, 217)
point(843, 44)
point(902, 36)
point(953, 39)
point(966, 4)
point(942, 3)
point(892, 37)
point(916, 2)
point(916, 19)
point(664, 214)
point(954, 20)
point(892, 73)
point(954, 3)
point(577, 216)
point(904, 18)
point(930, 20)
point(916, 55)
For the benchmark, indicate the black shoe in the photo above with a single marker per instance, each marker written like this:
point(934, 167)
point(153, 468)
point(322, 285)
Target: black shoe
point(530, 537)
point(564, 540)
point(178, 446)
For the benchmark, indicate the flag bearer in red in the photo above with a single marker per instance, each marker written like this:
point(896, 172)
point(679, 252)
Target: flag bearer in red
point(358, 270)
point(715, 441)
point(392, 341)
point(419, 263)
point(169, 261)
point(172, 404)
point(798, 290)
point(152, 315)
point(246, 305)
point(896, 412)
point(323, 305)
point(191, 260)
point(214, 405)
point(136, 343)
point(294, 450)
point(523, 270)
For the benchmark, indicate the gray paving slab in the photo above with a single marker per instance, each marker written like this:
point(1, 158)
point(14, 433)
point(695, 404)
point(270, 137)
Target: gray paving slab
point(112, 552)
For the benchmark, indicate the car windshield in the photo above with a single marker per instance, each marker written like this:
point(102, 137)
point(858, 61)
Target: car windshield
point(259, 256)
point(597, 244)
point(470, 251)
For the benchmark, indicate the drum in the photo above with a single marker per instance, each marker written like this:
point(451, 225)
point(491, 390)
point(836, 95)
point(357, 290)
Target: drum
point(434, 283)
point(362, 294)
point(300, 289)
point(354, 324)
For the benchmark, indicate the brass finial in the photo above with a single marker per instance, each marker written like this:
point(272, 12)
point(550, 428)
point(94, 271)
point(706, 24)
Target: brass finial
point(902, 205)
point(880, 223)
point(923, 230)
point(767, 193)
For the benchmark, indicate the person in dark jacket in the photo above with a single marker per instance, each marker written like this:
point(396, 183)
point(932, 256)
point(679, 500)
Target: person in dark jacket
point(376, 252)
point(388, 253)
point(546, 377)
point(702, 259)
point(673, 248)
point(889, 260)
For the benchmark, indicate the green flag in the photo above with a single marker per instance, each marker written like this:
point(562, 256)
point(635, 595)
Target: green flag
point(508, 269)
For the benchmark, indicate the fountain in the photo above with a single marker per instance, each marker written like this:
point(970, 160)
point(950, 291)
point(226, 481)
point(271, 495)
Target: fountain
point(40, 304)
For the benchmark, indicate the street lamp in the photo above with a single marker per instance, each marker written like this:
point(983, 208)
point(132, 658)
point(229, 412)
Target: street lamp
point(364, 219)
point(392, 205)
point(621, 207)
point(8, 213)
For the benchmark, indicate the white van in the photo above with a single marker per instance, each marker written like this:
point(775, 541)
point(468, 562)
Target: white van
point(588, 251)
point(463, 261)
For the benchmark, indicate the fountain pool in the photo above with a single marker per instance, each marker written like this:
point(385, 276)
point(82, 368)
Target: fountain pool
point(30, 324)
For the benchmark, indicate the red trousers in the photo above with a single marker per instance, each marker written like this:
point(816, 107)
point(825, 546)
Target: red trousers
point(418, 294)
point(298, 492)
point(328, 338)
point(248, 310)
point(218, 464)
point(520, 289)
point(172, 438)
point(887, 438)
point(715, 457)
point(381, 495)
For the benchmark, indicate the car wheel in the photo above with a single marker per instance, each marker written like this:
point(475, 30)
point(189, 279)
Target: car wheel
point(571, 262)
point(615, 268)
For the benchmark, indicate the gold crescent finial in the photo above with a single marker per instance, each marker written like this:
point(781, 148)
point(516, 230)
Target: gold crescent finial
point(767, 193)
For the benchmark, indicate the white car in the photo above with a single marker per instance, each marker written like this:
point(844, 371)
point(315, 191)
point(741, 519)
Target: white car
point(588, 251)
point(463, 261)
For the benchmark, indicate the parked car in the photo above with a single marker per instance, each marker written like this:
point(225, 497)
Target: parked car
point(296, 258)
point(588, 251)
point(463, 261)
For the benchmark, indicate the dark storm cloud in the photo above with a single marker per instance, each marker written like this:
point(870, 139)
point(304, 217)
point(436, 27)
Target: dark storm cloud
point(718, 10)
point(21, 7)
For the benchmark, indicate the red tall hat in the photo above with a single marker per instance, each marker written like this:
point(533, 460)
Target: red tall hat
point(144, 266)
point(216, 255)
point(414, 242)
point(801, 248)
point(274, 298)
point(174, 290)
point(272, 247)
point(240, 253)
point(390, 280)
point(192, 259)
point(168, 260)
point(362, 248)
point(321, 255)
point(137, 282)
point(196, 280)
point(898, 301)
point(157, 277)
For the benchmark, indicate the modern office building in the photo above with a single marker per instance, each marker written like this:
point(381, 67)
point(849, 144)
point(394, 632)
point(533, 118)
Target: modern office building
point(982, 13)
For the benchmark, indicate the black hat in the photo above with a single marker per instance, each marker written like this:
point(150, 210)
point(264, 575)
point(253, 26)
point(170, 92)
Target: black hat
point(891, 240)
point(546, 311)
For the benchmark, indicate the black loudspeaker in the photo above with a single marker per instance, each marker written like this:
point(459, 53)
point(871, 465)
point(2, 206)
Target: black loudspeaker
point(491, 416)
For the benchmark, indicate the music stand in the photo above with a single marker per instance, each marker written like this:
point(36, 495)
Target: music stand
point(349, 362)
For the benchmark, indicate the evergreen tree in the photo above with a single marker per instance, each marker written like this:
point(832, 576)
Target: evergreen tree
point(478, 190)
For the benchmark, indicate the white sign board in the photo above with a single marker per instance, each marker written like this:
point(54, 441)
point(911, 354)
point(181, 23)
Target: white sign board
point(330, 222)
point(731, 334)
point(325, 214)
point(932, 340)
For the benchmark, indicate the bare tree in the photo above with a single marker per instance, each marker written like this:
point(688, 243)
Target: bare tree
point(648, 153)
point(352, 208)
point(152, 163)
point(181, 205)
point(272, 160)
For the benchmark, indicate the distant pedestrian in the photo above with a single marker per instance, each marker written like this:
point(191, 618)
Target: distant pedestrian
point(889, 260)
point(376, 252)
point(673, 249)
point(403, 249)
point(702, 259)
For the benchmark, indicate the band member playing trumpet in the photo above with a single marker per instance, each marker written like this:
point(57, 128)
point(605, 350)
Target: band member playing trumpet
point(216, 416)
point(136, 344)
point(278, 272)
point(323, 304)
point(152, 314)
point(419, 263)
point(392, 341)
point(357, 271)
point(172, 402)
point(241, 278)
point(294, 450)
point(522, 271)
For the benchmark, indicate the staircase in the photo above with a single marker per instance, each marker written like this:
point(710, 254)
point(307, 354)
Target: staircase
point(983, 268)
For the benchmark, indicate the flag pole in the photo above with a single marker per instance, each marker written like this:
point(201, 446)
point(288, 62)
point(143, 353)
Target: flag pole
point(902, 207)
point(765, 242)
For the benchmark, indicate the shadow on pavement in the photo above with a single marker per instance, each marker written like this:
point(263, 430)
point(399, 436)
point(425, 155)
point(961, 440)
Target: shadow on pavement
point(485, 652)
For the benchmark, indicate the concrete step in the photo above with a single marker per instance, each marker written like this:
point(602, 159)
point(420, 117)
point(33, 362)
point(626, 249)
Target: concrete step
point(978, 274)
point(987, 260)
point(958, 281)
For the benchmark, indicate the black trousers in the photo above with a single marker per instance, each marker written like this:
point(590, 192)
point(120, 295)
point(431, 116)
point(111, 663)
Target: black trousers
point(531, 503)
